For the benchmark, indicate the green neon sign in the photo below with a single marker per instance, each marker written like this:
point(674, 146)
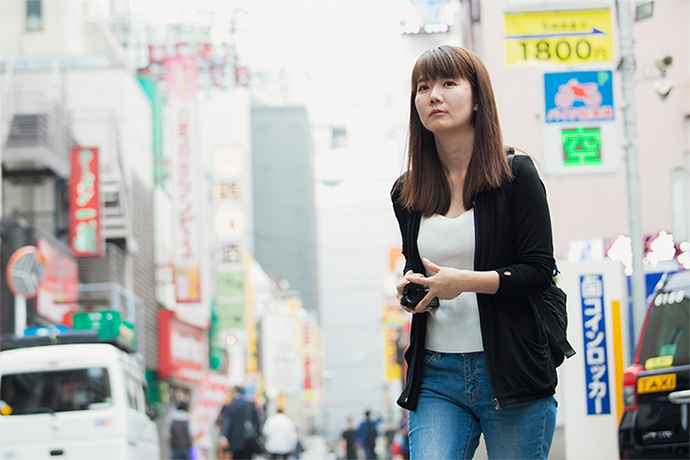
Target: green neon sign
point(581, 146)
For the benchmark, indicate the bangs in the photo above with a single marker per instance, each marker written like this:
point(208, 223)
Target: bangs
point(442, 62)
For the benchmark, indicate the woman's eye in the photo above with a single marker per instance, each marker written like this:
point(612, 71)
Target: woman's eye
point(450, 83)
point(422, 88)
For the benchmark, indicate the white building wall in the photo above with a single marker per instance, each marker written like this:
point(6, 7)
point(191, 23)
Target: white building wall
point(597, 206)
point(107, 99)
point(58, 37)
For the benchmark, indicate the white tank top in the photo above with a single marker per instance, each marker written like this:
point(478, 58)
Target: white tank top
point(453, 327)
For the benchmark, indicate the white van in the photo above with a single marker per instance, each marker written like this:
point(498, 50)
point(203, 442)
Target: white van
point(74, 396)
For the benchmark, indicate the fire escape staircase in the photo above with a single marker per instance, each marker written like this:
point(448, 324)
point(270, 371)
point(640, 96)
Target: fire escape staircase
point(36, 125)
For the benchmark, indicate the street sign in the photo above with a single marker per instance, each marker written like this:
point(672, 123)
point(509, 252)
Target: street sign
point(578, 96)
point(25, 271)
point(558, 38)
point(579, 130)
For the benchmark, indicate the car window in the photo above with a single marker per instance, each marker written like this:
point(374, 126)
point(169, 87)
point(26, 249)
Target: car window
point(56, 391)
point(131, 391)
point(666, 338)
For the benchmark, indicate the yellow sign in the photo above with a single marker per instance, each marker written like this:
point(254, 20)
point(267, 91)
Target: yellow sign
point(393, 367)
point(659, 362)
point(656, 383)
point(558, 37)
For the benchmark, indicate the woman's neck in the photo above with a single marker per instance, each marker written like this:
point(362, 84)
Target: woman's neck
point(455, 150)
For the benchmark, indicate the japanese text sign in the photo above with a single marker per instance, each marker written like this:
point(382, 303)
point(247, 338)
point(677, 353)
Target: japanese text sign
point(594, 330)
point(207, 405)
point(578, 96)
point(558, 37)
point(85, 203)
point(182, 116)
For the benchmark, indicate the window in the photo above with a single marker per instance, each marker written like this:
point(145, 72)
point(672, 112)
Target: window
point(668, 326)
point(56, 391)
point(131, 391)
point(34, 15)
point(338, 137)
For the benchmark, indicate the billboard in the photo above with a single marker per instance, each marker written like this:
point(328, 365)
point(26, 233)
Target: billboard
point(58, 294)
point(580, 134)
point(182, 92)
point(85, 226)
point(578, 96)
point(182, 347)
point(535, 39)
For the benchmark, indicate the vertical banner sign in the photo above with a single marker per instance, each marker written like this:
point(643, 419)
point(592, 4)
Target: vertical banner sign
point(208, 403)
point(85, 204)
point(182, 91)
point(594, 330)
point(311, 384)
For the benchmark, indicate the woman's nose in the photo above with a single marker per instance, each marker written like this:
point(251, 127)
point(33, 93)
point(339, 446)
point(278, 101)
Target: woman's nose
point(435, 94)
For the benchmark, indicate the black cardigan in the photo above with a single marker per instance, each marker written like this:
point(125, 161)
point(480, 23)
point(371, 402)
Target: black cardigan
point(513, 237)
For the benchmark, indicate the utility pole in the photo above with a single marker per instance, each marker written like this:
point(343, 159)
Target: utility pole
point(627, 68)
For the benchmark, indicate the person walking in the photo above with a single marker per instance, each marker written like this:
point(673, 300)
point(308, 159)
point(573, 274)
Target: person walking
point(281, 436)
point(349, 437)
point(179, 433)
point(367, 434)
point(477, 232)
point(389, 434)
point(239, 429)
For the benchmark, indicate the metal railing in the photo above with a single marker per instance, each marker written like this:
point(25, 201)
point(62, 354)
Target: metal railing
point(34, 113)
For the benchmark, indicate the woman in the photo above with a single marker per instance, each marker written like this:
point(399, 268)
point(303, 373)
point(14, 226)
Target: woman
point(478, 234)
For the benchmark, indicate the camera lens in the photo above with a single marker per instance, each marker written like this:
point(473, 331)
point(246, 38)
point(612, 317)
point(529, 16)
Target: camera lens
point(412, 294)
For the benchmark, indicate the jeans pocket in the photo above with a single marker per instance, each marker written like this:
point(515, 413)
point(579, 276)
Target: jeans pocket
point(429, 356)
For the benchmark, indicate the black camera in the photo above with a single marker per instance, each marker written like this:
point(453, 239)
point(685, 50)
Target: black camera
point(413, 293)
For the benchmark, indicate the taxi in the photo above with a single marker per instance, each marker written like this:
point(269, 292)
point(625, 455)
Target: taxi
point(656, 387)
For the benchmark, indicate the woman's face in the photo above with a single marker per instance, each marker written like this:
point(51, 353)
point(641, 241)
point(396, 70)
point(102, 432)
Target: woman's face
point(444, 104)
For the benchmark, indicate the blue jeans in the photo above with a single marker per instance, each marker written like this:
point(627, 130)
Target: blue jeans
point(456, 407)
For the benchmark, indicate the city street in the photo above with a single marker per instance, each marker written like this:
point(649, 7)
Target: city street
point(215, 213)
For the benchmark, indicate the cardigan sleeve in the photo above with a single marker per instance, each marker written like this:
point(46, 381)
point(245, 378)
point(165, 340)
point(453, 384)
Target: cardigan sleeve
point(534, 264)
point(402, 217)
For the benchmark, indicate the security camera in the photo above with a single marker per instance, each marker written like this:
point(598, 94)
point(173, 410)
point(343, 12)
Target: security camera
point(663, 88)
point(663, 63)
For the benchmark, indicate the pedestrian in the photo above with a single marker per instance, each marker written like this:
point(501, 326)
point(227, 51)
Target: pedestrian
point(403, 436)
point(281, 436)
point(240, 427)
point(477, 233)
point(366, 435)
point(178, 433)
point(389, 434)
point(349, 437)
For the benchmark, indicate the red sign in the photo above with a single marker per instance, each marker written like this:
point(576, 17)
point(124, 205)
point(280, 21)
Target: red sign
point(59, 292)
point(85, 204)
point(181, 347)
point(26, 271)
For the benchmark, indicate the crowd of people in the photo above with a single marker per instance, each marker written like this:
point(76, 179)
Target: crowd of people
point(244, 433)
point(369, 441)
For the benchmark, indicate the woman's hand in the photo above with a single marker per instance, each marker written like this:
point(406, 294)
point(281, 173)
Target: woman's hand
point(399, 294)
point(447, 283)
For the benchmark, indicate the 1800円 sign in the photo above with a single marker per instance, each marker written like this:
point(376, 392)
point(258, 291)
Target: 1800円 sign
point(558, 38)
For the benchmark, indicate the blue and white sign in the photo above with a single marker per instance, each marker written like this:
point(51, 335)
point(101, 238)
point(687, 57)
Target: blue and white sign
point(579, 96)
point(594, 330)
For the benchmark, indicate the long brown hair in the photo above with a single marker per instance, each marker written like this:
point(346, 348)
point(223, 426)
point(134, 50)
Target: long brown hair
point(426, 188)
